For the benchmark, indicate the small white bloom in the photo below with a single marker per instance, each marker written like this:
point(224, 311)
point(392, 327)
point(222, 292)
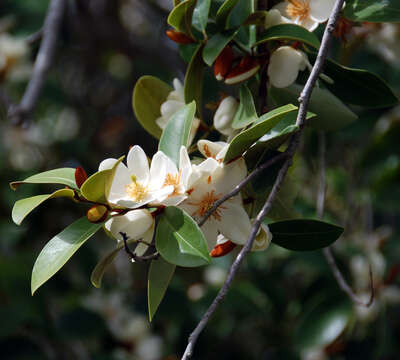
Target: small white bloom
point(284, 66)
point(306, 13)
point(175, 101)
point(263, 239)
point(273, 18)
point(13, 54)
point(225, 114)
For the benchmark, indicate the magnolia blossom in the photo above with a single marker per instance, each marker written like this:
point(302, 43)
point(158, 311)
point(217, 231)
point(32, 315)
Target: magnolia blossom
point(175, 101)
point(284, 66)
point(225, 114)
point(137, 184)
point(136, 224)
point(306, 13)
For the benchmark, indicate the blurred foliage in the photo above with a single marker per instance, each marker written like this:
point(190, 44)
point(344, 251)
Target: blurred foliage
point(85, 115)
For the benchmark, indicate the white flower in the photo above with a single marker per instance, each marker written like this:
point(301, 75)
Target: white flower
point(284, 66)
point(212, 180)
point(306, 13)
point(136, 184)
point(225, 114)
point(215, 150)
point(13, 53)
point(274, 17)
point(175, 101)
point(136, 224)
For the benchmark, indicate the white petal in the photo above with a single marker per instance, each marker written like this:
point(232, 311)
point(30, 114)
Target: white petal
point(174, 200)
point(235, 223)
point(161, 165)
point(320, 10)
point(210, 148)
point(281, 7)
point(309, 24)
point(185, 167)
point(225, 114)
point(273, 17)
point(170, 107)
point(263, 239)
point(118, 186)
point(107, 164)
point(227, 177)
point(162, 122)
point(284, 66)
point(147, 238)
point(193, 130)
point(210, 232)
point(138, 164)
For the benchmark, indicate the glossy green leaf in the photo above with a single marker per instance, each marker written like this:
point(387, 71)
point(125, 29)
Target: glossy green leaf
point(265, 123)
point(181, 16)
point(216, 44)
point(224, 11)
point(331, 113)
point(179, 240)
point(187, 51)
point(193, 87)
point(160, 275)
point(24, 206)
point(373, 10)
point(64, 176)
point(240, 12)
point(304, 234)
point(358, 87)
point(97, 274)
point(148, 95)
point(246, 113)
point(200, 14)
point(177, 131)
point(324, 323)
point(288, 32)
point(94, 187)
point(59, 250)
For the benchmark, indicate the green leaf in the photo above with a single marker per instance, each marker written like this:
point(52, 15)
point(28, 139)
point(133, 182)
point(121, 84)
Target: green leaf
point(288, 32)
point(97, 274)
point(177, 131)
point(324, 323)
point(160, 275)
point(59, 250)
point(179, 240)
point(331, 113)
point(241, 11)
point(224, 11)
point(265, 123)
point(373, 10)
point(200, 14)
point(186, 51)
point(304, 234)
point(216, 44)
point(64, 176)
point(193, 87)
point(358, 87)
point(246, 113)
point(181, 17)
point(94, 187)
point(24, 206)
point(148, 95)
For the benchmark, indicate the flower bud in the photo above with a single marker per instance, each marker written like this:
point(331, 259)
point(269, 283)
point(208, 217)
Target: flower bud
point(80, 176)
point(178, 37)
point(225, 114)
point(97, 214)
point(223, 63)
point(247, 68)
point(222, 249)
point(263, 239)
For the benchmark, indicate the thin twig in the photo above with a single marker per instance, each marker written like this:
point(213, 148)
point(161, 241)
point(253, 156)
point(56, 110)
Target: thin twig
point(294, 143)
point(35, 37)
point(43, 62)
point(134, 257)
point(330, 259)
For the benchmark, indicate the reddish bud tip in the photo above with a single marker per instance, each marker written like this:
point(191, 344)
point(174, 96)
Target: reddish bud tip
point(222, 249)
point(97, 214)
point(247, 68)
point(179, 37)
point(80, 176)
point(223, 63)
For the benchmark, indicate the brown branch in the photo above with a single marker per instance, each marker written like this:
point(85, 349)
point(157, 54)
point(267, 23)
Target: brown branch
point(330, 259)
point(134, 257)
point(43, 62)
point(300, 121)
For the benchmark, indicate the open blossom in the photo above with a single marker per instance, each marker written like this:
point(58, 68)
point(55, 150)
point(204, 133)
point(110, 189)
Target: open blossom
point(137, 184)
point(175, 101)
point(306, 13)
point(225, 114)
point(284, 66)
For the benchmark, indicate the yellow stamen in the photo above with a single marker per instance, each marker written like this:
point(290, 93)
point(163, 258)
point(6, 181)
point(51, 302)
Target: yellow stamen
point(136, 191)
point(206, 203)
point(173, 180)
point(298, 9)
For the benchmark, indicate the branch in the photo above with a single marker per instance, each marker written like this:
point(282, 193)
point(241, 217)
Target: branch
point(328, 251)
point(134, 257)
point(294, 143)
point(44, 59)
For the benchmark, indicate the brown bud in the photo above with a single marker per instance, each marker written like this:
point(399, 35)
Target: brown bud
point(222, 249)
point(247, 68)
point(223, 63)
point(179, 37)
point(80, 176)
point(97, 214)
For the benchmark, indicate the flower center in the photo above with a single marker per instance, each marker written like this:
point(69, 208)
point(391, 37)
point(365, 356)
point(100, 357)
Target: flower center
point(206, 203)
point(136, 190)
point(173, 180)
point(298, 9)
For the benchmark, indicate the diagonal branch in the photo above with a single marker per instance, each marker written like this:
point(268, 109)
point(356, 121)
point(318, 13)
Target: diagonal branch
point(44, 59)
point(304, 100)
